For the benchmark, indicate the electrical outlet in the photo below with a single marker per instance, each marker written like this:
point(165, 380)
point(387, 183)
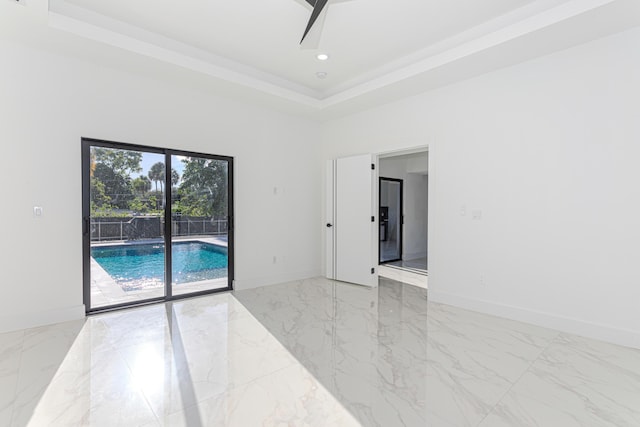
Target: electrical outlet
point(275, 259)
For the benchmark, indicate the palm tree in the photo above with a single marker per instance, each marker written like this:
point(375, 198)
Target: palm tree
point(156, 174)
point(175, 177)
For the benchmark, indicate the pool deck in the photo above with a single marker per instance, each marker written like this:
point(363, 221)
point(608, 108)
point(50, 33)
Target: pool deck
point(106, 292)
point(214, 240)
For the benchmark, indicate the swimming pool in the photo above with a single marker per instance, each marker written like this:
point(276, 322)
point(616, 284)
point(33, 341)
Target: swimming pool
point(140, 266)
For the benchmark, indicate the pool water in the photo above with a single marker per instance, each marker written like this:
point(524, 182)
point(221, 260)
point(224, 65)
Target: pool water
point(140, 266)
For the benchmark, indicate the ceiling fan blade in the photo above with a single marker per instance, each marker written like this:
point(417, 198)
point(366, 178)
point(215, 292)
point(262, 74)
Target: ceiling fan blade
point(307, 3)
point(317, 9)
point(312, 40)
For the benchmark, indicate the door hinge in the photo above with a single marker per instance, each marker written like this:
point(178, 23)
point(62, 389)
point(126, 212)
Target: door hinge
point(373, 219)
point(373, 166)
point(373, 270)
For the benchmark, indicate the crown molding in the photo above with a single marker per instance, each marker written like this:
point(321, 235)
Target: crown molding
point(417, 67)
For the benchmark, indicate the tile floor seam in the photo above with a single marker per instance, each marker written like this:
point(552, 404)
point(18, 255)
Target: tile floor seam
point(146, 398)
point(198, 402)
point(524, 372)
point(15, 391)
point(144, 395)
point(12, 406)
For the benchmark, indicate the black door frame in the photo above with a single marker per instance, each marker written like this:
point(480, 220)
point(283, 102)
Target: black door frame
point(400, 219)
point(87, 143)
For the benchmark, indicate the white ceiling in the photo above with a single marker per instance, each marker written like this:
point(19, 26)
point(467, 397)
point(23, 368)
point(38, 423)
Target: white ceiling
point(379, 49)
point(359, 35)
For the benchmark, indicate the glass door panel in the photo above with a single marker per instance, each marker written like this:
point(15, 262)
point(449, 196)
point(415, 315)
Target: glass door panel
point(199, 224)
point(125, 226)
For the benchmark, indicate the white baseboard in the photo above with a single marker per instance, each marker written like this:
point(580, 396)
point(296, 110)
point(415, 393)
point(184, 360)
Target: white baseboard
point(41, 318)
point(624, 337)
point(256, 282)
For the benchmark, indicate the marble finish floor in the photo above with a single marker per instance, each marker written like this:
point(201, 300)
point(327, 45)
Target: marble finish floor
point(313, 353)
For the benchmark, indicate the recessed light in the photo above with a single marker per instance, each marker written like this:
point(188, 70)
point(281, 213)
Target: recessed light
point(322, 56)
point(321, 74)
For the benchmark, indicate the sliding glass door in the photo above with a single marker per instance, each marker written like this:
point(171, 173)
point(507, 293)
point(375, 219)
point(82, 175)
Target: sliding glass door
point(199, 224)
point(157, 224)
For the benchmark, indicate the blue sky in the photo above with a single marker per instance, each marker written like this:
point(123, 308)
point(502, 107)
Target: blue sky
point(149, 159)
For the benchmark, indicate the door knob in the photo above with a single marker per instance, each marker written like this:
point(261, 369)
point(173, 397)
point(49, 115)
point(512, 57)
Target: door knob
point(329, 225)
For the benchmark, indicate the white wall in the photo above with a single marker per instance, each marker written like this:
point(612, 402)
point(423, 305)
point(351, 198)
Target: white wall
point(548, 151)
point(415, 190)
point(48, 102)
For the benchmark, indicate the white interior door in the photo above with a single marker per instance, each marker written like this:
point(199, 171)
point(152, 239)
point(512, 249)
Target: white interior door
point(330, 238)
point(354, 227)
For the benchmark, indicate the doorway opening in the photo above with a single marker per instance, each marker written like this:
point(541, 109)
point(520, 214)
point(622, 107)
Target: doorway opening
point(391, 220)
point(403, 223)
point(157, 224)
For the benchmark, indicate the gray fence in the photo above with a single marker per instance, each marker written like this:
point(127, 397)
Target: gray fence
point(104, 229)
